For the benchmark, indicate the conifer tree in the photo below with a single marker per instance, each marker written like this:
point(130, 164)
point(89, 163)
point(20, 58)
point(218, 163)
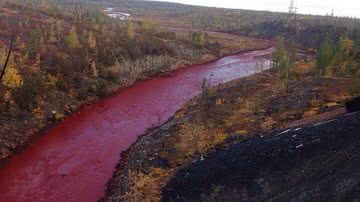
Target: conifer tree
point(93, 72)
point(198, 39)
point(281, 60)
point(52, 35)
point(92, 40)
point(284, 71)
point(130, 33)
point(279, 53)
point(36, 66)
point(59, 28)
point(72, 39)
point(346, 46)
point(324, 56)
point(32, 45)
point(292, 55)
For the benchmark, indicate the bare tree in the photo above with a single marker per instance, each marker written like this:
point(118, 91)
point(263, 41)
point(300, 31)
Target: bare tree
point(7, 58)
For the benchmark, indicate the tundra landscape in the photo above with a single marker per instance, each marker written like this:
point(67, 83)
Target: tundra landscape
point(130, 100)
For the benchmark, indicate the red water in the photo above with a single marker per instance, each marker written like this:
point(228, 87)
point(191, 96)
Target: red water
point(73, 161)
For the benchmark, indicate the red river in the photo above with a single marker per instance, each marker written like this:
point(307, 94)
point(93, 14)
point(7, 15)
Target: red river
point(74, 160)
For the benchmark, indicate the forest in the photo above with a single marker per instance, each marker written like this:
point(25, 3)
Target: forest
point(307, 30)
point(67, 54)
point(335, 40)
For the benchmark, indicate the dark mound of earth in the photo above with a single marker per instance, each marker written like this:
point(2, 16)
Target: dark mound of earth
point(318, 163)
point(353, 105)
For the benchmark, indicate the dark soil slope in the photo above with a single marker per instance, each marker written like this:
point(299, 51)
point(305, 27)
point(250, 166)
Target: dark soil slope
point(317, 163)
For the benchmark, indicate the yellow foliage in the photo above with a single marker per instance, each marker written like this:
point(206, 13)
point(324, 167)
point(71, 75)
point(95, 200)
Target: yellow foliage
point(220, 101)
point(59, 116)
point(93, 88)
point(268, 124)
point(8, 97)
point(93, 72)
point(315, 102)
point(12, 78)
point(189, 138)
point(39, 113)
point(92, 40)
point(331, 104)
point(146, 187)
point(220, 138)
point(130, 32)
point(312, 112)
point(72, 39)
point(346, 44)
point(72, 93)
point(51, 81)
point(180, 114)
point(194, 138)
point(242, 132)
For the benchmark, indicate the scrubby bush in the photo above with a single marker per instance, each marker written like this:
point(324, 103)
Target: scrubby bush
point(26, 95)
point(102, 88)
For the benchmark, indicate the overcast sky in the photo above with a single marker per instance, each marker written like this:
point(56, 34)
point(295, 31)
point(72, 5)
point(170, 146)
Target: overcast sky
point(322, 7)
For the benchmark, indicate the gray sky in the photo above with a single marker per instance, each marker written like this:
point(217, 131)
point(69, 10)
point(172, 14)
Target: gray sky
point(321, 7)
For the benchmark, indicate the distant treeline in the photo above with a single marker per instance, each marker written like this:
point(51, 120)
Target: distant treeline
point(307, 30)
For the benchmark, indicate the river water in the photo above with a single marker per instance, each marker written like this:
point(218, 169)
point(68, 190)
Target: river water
point(113, 13)
point(74, 160)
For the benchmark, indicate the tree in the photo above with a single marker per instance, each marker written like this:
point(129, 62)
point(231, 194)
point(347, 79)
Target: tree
point(198, 39)
point(59, 28)
point(72, 39)
point(52, 35)
point(324, 56)
point(92, 40)
point(284, 72)
point(37, 65)
point(206, 39)
point(12, 79)
point(25, 96)
point(281, 60)
point(7, 58)
point(346, 45)
point(147, 26)
point(292, 55)
point(42, 45)
point(93, 72)
point(32, 45)
point(279, 53)
point(205, 96)
point(130, 33)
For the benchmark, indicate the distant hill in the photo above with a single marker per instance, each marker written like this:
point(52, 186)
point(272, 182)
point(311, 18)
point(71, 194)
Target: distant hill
point(309, 30)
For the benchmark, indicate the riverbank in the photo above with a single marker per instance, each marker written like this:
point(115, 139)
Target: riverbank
point(16, 135)
point(237, 110)
point(78, 156)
